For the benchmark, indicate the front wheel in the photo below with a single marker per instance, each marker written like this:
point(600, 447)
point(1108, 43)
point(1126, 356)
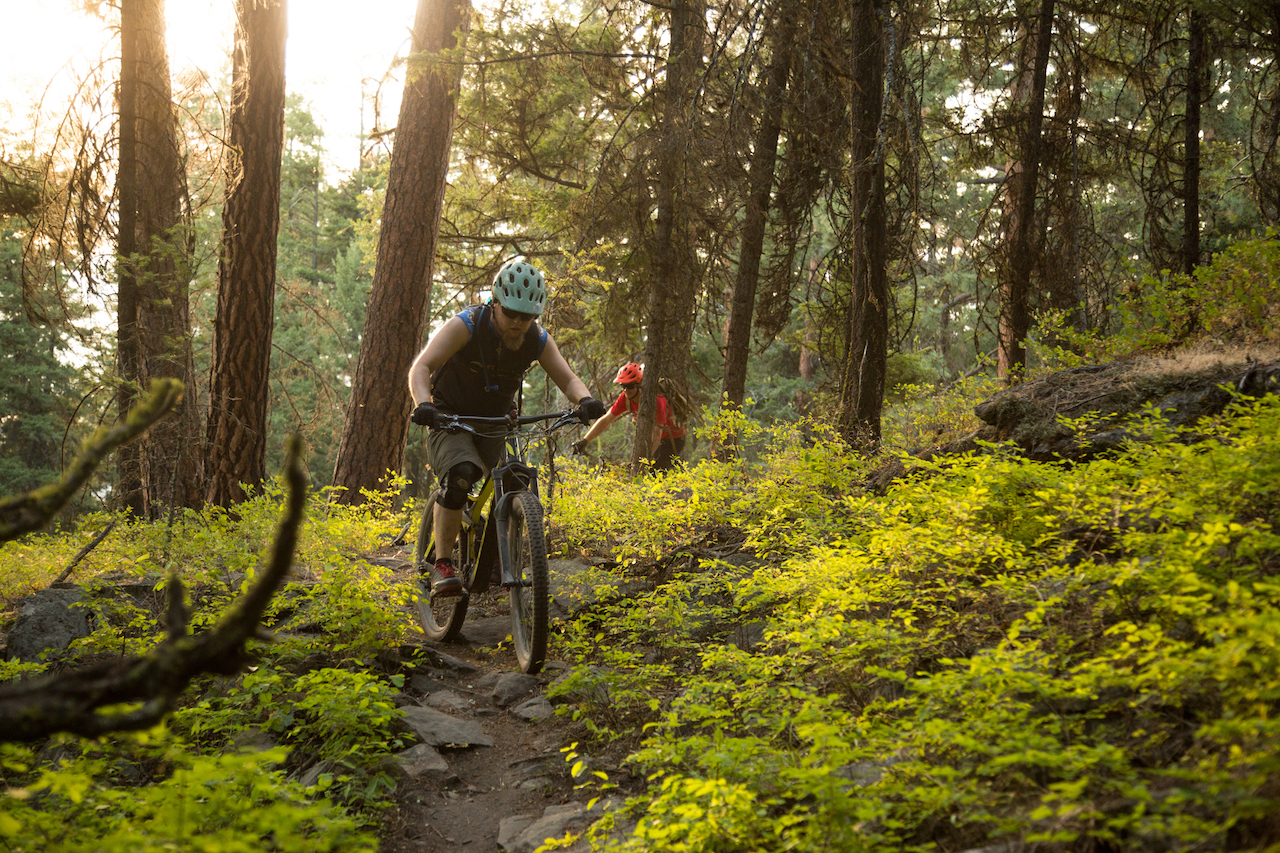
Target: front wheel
point(441, 618)
point(527, 546)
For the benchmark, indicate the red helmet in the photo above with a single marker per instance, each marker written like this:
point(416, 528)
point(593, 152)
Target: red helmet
point(629, 373)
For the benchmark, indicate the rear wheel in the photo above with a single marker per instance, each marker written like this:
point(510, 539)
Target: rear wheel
point(528, 552)
point(441, 618)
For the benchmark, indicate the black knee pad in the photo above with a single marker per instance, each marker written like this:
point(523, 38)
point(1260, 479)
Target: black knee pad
point(456, 483)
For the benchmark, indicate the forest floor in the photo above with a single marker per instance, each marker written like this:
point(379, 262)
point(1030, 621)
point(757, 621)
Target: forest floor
point(492, 792)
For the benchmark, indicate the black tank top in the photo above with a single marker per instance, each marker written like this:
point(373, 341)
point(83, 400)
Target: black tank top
point(483, 377)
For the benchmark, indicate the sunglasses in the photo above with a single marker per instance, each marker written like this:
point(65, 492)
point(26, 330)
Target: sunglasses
point(521, 316)
point(630, 386)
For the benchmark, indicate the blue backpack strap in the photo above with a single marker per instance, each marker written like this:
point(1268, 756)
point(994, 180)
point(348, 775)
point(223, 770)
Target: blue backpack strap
point(542, 340)
point(471, 317)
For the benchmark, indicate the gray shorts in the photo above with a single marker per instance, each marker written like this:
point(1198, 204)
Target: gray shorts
point(447, 449)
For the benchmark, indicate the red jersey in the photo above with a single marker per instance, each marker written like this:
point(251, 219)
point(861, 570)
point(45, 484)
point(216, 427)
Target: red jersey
point(667, 428)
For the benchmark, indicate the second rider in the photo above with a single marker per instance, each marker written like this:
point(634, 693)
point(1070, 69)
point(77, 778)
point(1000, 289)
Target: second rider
point(474, 365)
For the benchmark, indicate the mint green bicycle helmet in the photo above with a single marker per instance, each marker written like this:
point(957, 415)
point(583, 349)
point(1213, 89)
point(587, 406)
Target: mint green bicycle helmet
point(520, 286)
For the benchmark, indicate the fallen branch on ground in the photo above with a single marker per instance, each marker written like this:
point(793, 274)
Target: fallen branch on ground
point(88, 702)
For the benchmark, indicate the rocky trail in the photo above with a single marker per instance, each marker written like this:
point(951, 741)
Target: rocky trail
point(490, 772)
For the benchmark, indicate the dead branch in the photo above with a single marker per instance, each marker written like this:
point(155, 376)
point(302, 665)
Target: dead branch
point(84, 552)
point(22, 514)
point(86, 702)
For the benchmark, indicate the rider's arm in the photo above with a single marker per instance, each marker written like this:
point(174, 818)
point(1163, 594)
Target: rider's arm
point(602, 423)
point(560, 372)
point(452, 337)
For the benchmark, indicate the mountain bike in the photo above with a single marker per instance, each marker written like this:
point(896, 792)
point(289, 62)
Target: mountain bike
point(502, 529)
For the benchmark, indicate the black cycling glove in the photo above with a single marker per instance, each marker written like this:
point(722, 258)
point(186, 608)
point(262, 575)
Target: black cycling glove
point(589, 409)
point(425, 414)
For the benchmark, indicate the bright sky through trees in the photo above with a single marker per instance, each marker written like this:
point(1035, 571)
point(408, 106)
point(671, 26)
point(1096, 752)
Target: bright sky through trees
point(333, 47)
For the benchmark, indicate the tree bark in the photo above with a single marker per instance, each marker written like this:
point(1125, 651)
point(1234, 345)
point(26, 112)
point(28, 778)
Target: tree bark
point(764, 156)
point(237, 441)
point(130, 490)
point(866, 353)
point(377, 422)
point(1265, 146)
point(1020, 201)
point(673, 286)
point(1191, 153)
point(172, 448)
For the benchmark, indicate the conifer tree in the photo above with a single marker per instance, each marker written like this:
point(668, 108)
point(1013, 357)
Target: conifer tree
point(35, 384)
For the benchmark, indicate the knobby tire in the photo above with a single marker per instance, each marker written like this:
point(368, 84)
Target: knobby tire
point(528, 552)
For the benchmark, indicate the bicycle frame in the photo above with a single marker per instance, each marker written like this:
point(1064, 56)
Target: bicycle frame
point(495, 492)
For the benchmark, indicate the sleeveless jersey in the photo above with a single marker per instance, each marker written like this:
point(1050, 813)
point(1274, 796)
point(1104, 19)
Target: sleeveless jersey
point(483, 377)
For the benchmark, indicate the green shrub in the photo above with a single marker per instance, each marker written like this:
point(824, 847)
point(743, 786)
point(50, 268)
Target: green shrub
point(1230, 300)
point(212, 804)
point(997, 650)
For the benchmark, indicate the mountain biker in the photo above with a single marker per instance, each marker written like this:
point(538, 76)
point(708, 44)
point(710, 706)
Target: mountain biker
point(474, 365)
point(667, 442)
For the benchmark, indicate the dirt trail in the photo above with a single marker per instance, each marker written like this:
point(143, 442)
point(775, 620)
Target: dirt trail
point(522, 774)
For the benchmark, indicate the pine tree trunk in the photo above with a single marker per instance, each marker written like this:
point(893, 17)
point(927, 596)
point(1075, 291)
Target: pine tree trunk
point(237, 440)
point(862, 382)
point(673, 287)
point(130, 491)
point(1191, 162)
point(172, 446)
point(764, 158)
point(377, 421)
point(1020, 202)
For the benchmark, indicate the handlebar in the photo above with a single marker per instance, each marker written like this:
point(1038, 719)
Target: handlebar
point(469, 423)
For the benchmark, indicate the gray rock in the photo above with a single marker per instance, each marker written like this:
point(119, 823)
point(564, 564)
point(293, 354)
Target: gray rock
point(538, 708)
point(442, 661)
point(511, 828)
point(425, 684)
point(422, 759)
point(577, 585)
point(48, 621)
point(862, 773)
point(747, 637)
point(487, 631)
point(504, 688)
point(547, 766)
point(253, 739)
point(447, 700)
point(439, 729)
point(523, 834)
point(312, 774)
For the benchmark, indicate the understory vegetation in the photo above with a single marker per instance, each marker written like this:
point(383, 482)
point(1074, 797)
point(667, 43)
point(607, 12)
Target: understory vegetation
point(290, 755)
point(1071, 655)
point(996, 650)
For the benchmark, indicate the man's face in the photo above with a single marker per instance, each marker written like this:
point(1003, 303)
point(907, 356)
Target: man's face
point(631, 389)
point(511, 325)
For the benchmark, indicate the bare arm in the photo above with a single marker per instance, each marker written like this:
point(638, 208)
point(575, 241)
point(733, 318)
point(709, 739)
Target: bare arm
point(452, 337)
point(601, 424)
point(561, 374)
